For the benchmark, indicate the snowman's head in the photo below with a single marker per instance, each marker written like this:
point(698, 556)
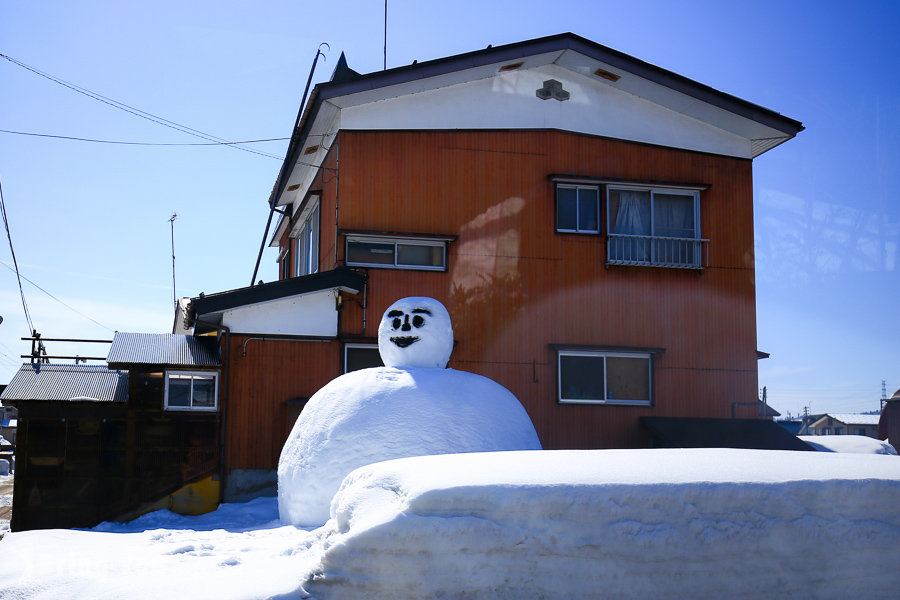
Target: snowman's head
point(415, 332)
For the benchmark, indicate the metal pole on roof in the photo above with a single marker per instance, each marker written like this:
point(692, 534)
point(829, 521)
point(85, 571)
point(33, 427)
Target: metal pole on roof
point(172, 224)
point(385, 34)
point(291, 156)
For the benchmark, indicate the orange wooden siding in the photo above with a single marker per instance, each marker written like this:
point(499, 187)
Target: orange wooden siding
point(514, 286)
point(259, 383)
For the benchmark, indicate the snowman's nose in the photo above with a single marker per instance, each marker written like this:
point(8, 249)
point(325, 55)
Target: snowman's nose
point(406, 326)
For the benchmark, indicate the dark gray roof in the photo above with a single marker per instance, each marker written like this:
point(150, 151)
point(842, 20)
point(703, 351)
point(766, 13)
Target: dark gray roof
point(39, 381)
point(342, 278)
point(754, 434)
point(164, 349)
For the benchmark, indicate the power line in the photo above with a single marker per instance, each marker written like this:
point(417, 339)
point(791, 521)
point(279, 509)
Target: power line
point(132, 110)
point(13, 252)
point(54, 297)
point(78, 139)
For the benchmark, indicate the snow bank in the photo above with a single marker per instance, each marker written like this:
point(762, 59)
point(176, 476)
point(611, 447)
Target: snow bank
point(855, 444)
point(645, 524)
point(379, 414)
point(240, 552)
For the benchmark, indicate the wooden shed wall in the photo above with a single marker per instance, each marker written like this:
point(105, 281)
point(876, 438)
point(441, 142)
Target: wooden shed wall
point(260, 383)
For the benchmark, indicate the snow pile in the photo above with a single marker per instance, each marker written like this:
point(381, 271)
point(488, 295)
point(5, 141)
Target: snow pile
point(240, 552)
point(636, 524)
point(379, 414)
point(618, 524)
point(855, 444)
point(411, 407)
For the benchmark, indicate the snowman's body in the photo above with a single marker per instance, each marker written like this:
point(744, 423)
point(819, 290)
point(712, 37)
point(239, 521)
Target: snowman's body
point(379, 414)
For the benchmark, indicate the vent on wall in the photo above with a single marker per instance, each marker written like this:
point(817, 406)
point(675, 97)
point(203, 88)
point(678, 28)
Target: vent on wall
point(607, 75)
point(511, 67)
point(311, 150)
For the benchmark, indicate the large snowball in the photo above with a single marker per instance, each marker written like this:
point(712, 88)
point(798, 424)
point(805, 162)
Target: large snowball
point(384, 413)
point(415, 332)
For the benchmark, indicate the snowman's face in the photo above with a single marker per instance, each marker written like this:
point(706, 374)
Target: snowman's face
point(415, 332)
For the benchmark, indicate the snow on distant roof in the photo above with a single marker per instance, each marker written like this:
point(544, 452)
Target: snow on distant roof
point(855, 419)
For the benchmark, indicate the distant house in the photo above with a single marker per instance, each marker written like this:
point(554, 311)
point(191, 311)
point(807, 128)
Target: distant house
point(844, 424)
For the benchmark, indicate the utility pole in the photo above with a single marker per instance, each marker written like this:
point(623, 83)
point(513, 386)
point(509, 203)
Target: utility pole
point(883, 393)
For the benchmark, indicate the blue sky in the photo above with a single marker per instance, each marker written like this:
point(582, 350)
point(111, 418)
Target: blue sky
point(90, 221)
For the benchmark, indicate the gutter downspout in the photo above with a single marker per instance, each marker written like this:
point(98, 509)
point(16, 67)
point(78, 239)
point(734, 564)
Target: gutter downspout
point(289, 158)
point(226, 335)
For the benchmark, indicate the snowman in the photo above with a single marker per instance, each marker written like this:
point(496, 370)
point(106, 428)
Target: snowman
point(413, 406)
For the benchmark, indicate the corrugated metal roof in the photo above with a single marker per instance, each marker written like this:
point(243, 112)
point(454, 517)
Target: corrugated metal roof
point(67, 382)
point(164, 349)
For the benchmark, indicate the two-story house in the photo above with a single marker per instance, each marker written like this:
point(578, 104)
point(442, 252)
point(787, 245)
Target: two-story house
point(586, 217)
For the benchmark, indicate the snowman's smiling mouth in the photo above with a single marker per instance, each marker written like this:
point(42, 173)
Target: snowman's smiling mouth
point(405, 341)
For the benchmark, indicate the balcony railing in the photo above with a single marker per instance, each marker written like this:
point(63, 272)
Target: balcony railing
point(649, 251)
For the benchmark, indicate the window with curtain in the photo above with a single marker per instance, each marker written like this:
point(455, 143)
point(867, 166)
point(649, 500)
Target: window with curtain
point(649, 226)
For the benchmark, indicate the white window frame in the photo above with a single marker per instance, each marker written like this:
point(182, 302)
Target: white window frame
point(578, 188)
point(395, 241)
point(653, 246)
point(357, 346)
point(306, 254)
point(603, 354)
point(193, 374)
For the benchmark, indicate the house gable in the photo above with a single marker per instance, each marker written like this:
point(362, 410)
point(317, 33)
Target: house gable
point(610, 94)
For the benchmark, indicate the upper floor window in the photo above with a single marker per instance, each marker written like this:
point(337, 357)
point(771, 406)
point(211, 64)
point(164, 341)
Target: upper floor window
point(577, 208)
point(397, 252)
point(307, 245)
point(654, 227)
point(191, 390)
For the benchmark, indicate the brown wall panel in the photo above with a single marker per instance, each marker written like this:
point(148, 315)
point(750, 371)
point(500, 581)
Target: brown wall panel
point(271, 373)
point(513, 285)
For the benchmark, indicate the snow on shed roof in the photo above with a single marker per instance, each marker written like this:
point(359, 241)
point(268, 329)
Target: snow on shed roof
point(164, 349)
point(39, 381)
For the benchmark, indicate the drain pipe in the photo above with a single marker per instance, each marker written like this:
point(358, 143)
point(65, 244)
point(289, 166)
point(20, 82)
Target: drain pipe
point(226, 336)
point(289, 158)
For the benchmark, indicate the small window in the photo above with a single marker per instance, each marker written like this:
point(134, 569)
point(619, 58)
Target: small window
point(307, 245)
point(577, 208)
point(838, 431)
point(397, 253)
point(600, 377)
point(361, 356)
point(826, 431)
point(859, 431)
point(191, 390)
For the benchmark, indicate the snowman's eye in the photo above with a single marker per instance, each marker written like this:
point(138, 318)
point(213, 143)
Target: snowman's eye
point(418, 321)
point(396, 323)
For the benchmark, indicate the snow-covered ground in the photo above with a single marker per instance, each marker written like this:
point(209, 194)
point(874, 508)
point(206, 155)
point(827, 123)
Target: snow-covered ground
point(533, 524)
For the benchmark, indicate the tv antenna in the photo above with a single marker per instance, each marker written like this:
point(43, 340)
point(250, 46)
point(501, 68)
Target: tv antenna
point(172, 225)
